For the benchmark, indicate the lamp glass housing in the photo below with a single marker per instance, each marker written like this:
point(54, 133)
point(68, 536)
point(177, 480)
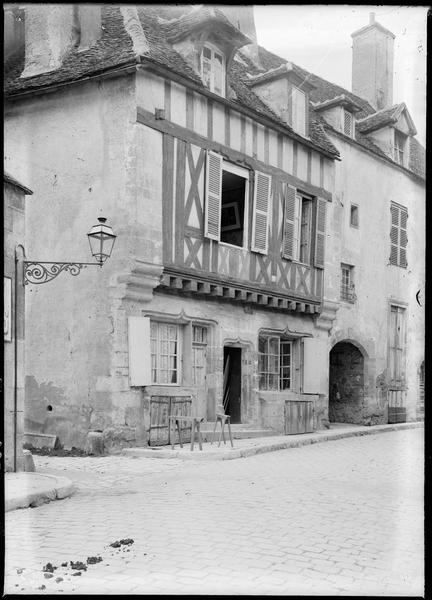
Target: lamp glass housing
point(101, 239)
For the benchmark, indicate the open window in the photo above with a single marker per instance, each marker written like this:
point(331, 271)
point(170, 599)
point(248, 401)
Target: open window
point(227, 204)
point(400, 143)
point(304, 228)
point(213, 69)
point(233, 205)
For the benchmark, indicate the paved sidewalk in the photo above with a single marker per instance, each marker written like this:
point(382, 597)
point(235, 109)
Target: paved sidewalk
point(33, 489)
point(252, 446)
point(29, 489)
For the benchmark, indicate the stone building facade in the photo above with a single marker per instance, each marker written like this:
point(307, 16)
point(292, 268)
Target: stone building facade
point(220, 174)
point(14, 200)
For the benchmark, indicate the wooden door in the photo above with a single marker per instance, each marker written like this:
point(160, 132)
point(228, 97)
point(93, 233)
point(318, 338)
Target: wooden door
point(162, 407)
point(159, 412)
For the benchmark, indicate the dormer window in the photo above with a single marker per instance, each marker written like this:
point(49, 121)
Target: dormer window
point(298, 110)
point(213, 69)
point(348, 123)
point(400, 140)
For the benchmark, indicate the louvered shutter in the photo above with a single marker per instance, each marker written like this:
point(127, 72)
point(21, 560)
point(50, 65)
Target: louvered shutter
point(398, 235)
point(139, 351)
point(290, 223)
point(213, 195)
point(403, 239)
point(320, 226)
point(394, 235)
point(260, 212)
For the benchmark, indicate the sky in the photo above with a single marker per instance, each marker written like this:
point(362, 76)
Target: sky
point(318, 38)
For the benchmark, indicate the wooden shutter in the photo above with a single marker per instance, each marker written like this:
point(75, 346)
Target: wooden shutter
point(261, 205)
point(290, 223)
point(398, 235)
point(213, 197)
point(403, 239)
point(320, 226)
point(139, 351)
point(315, 366)
point(394, 235)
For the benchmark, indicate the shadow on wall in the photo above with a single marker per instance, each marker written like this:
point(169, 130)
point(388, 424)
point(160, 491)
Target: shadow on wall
point(48, 410)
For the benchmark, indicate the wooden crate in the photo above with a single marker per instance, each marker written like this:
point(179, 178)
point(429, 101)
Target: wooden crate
point(298, 417)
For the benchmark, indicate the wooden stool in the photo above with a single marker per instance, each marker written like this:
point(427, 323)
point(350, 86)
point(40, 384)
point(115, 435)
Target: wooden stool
point(195, 424)
point(222, 419)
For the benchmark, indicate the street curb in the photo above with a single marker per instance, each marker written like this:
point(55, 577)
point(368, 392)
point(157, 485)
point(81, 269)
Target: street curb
point(54, 488)
point(305, 440)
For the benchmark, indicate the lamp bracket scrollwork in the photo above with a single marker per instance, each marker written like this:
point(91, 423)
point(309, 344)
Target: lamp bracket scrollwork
point(42, 272)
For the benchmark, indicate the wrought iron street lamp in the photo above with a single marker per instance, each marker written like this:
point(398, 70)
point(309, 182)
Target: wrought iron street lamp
point(101, 239)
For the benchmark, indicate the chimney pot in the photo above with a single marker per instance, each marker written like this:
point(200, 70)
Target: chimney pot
point(371, 18)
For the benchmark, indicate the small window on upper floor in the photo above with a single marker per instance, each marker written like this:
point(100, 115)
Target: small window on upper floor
point(348, 123)
point(298, 98)
point(354, 215)
point(400, 142)
point(213, 69)
point(347, 291)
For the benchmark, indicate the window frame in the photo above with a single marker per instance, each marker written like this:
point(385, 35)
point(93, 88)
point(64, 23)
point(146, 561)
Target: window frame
point(195, 345)
point(283, 341)
point(214, 50)
point(357, 211)
point(300, 199)
point(399, 147)
point(179, 355)
point(244, 173)
point(347, 292)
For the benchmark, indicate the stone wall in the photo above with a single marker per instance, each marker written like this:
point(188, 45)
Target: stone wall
point(372, 184)
point(14, 235)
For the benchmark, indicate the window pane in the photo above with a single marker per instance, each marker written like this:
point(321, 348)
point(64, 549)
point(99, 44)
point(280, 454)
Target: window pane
point(273, 346)
point(206, 74)
point(273, 382)
point(206, 52)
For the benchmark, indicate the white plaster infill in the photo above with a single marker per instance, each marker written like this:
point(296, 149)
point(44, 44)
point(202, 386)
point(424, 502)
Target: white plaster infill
point(250, 447)
point(33, 489)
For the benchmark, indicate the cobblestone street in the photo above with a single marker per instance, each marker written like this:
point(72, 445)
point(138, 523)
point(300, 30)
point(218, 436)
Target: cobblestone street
point(342, 517)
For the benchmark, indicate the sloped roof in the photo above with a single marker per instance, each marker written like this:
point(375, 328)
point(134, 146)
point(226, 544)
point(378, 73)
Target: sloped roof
point(12, 181)
point(385, 117)
point(115, 49)
point(324, 91)
point(178, 27)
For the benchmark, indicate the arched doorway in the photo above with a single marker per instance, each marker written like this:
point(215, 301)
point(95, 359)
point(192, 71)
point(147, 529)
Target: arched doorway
point(346, 383)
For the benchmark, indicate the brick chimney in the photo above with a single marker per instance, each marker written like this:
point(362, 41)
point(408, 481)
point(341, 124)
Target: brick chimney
point(372, 64)
point(51, 30)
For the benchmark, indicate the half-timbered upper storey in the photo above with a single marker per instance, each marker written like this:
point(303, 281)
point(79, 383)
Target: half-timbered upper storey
point(247, 164)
